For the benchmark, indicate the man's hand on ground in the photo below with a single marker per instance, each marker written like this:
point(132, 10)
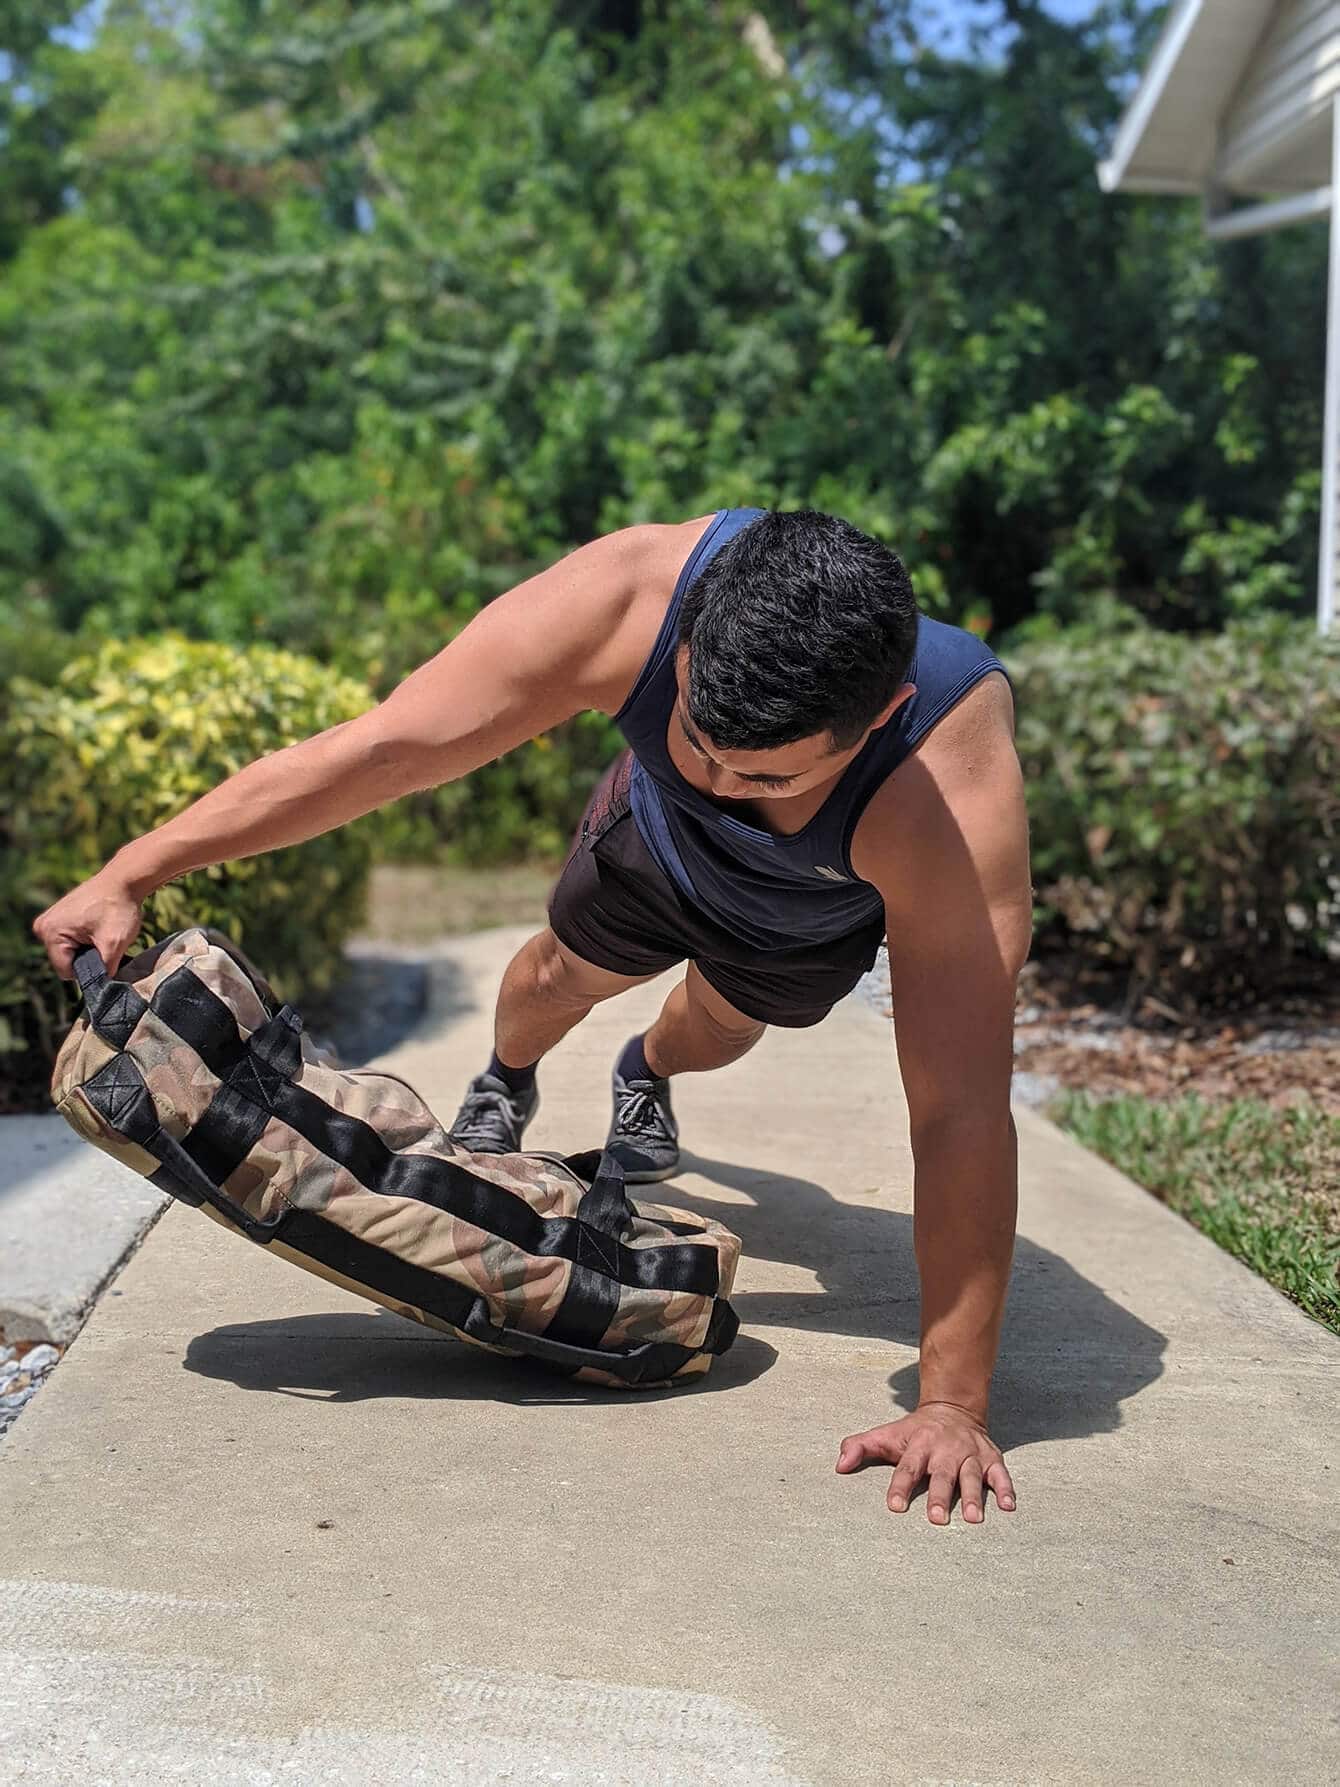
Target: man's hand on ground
point(940, 1441)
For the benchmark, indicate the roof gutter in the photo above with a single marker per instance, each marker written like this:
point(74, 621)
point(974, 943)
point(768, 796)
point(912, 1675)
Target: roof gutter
point(1224, 225)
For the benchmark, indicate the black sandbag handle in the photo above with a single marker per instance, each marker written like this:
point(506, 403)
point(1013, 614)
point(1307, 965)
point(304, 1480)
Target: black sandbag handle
point(193, 1185)
point(645, 1360)
point(89, 968)
point(604, 1205)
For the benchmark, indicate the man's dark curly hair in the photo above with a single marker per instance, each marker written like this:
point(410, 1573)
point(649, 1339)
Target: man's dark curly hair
point(801, 624)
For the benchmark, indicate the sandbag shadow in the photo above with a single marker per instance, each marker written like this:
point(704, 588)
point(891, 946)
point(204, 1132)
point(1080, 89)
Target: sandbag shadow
point(1070, 1355)
point(365, 1354)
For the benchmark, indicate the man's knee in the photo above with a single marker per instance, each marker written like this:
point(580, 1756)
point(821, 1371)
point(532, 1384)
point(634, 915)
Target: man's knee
point(717, 1015)
point(564, 979)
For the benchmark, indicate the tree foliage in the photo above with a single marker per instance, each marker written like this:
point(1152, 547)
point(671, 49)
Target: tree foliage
point(321, 324)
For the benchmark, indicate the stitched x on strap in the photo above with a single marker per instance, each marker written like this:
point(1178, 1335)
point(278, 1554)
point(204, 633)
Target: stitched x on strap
point(114, 1009)
point(255, 1081)
point(118, 1093)
point(594, 1249)
point(273, 1055)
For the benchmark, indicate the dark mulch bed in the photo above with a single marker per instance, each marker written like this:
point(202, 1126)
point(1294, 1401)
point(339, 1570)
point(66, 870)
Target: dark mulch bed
point(1077, 1025)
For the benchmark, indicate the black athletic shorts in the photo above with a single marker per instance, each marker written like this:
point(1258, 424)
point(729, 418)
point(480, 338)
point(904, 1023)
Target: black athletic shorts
point(614, 907)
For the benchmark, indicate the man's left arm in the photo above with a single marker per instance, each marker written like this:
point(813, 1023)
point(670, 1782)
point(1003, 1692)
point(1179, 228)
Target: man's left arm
point(947, 846)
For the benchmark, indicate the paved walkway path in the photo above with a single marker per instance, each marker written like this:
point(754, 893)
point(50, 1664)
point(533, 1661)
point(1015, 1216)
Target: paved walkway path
point(68, 1217)
point(256, 1532)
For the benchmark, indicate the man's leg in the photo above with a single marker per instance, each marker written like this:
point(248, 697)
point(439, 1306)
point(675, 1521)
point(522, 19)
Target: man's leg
point(698, 1029)
point(546, 991)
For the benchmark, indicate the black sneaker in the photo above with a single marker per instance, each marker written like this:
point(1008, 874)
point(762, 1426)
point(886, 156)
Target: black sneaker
point(644, 1137)
point(493, 1116)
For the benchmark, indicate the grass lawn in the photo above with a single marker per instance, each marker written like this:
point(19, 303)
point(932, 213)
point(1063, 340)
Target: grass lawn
point(1262, 1182)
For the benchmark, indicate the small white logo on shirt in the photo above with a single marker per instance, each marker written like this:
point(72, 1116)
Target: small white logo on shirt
point(829, 874)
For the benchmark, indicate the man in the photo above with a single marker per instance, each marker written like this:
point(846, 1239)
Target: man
point(812, 765)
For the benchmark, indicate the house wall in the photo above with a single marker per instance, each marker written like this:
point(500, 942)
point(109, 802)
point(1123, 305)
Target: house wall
point(1283, 98)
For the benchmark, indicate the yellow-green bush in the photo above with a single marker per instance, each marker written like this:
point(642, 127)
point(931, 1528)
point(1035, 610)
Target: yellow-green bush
point(116, 743)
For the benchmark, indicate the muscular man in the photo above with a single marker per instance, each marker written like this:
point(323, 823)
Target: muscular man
point(812, 765)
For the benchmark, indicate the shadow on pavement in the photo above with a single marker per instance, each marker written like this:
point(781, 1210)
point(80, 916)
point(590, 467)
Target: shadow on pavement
point(1069, 1355)
point(355, 1357)
point(380, 1000)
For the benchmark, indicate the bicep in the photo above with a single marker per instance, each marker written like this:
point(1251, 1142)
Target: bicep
point(545, 650)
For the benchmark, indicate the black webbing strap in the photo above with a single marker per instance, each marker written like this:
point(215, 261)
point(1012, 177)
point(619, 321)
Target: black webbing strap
point(256, 1082)
point(587, 1166)
point(118, 1093)
point(113, 1008)
point(201, 1018)
point(590, 1298)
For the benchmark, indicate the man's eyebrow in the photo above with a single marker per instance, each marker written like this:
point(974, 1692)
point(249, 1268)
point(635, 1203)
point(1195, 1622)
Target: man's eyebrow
point(697, 746)
point(689, 734)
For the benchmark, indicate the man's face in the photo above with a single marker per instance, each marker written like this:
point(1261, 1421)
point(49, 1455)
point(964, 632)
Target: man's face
point(777, 773)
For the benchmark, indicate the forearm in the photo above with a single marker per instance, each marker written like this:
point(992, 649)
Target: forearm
point(294, 794)
point(966, 1204)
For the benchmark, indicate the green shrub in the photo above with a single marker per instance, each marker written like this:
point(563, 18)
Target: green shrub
point(522, 807)
point(1184, 798)
point(118, 742)
point(32, 646)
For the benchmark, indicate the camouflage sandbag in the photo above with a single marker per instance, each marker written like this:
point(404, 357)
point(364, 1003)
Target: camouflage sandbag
point(185, 1066)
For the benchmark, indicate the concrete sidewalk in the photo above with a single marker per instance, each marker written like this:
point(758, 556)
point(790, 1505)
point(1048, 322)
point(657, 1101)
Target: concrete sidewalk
point(68, 1217)
point(256, 1532)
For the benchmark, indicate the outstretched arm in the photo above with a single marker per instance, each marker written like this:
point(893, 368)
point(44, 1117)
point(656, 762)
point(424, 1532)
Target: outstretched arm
point(547, 649)
point(958, 897)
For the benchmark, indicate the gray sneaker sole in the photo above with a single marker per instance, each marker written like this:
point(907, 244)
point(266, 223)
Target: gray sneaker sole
point(649, 1175)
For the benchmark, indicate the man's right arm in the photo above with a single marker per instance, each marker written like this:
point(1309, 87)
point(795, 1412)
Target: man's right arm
point(568, 639)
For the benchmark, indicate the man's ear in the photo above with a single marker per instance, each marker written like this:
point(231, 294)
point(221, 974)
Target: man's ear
point(904, 692)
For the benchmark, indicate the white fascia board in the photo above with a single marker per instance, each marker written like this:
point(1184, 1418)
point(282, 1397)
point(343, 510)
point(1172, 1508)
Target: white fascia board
point(1110, 179)
point(1180, 23)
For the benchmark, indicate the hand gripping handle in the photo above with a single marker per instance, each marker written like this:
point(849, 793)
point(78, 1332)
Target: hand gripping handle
point(89, 968)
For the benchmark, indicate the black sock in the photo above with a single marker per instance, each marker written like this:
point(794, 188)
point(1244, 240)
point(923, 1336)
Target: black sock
point(516, 1079)
point(632, 1064)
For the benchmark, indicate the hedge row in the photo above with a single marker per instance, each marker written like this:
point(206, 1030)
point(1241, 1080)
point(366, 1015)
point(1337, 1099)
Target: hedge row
point(113, 744)
point(1184, 800)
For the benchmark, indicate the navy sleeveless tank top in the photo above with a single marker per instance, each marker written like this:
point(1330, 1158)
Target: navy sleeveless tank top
point(772, 891)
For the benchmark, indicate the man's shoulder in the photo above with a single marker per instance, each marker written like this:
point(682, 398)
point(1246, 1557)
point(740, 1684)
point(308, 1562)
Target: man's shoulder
point(638, 568)
point(959, 779)
point(586, 624)
point(663, 548)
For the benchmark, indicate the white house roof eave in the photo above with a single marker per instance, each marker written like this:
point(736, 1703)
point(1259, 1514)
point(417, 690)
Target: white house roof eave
point(1165, 141)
